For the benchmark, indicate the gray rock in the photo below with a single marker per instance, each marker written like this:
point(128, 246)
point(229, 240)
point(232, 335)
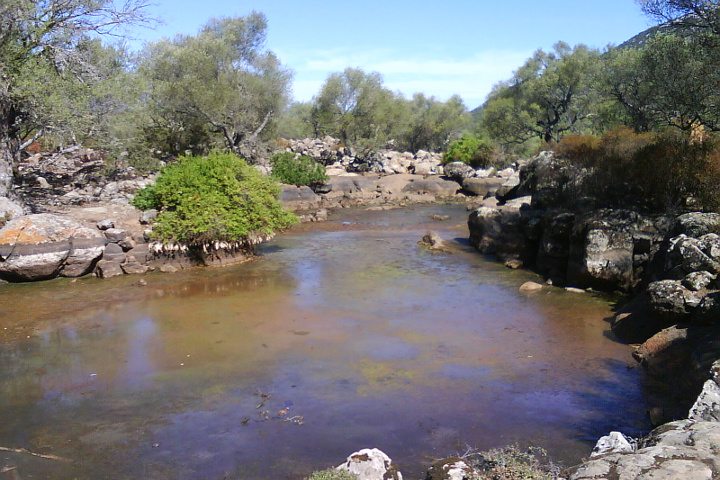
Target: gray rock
point(707, 405)
point(167, 268)
point(132, 266)
point(530, 287)
point(9, 210)
point(43, 246)
point(708, 311)
point(127, 244)
point(686, 254)
point(106, 224)
point(481, 187)
point(433, 241)
point(671, 300)
point(115, 235)
point(697, 281)
point(148, 216)
point(458, 170)
point(697, 224)
point(615, 442)
point(371, 464)
point(108, 269)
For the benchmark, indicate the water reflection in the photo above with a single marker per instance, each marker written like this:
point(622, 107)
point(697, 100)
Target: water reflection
point(337, 339)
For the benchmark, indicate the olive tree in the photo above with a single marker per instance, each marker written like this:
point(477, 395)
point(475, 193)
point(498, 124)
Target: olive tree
point(46, 68)
point(221, 87)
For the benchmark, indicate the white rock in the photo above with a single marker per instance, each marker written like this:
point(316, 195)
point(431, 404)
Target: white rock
point(615, 442)
point(371, 464)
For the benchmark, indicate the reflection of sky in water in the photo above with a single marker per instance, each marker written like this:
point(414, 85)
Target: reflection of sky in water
point(138, 360)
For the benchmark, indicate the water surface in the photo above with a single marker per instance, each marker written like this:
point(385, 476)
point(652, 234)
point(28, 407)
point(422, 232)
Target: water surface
point(338, 337)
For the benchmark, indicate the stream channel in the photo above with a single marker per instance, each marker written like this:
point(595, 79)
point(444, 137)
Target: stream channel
point(338, 336)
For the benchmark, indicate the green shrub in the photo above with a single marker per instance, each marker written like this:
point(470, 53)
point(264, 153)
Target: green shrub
point(513, 463)
point(469, 150)
point(297, 170)
point(332, 474)
point(214, 198)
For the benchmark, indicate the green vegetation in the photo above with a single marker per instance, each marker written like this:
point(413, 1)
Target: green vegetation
point(214, 198)
point(332, 474)
point(471, 150)
point(513, 463)
point(297, 170)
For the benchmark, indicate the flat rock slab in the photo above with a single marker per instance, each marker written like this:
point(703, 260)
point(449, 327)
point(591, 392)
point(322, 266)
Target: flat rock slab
point(44, 246)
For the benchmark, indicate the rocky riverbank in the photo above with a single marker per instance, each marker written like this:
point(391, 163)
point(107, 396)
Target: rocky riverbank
point(72, 214)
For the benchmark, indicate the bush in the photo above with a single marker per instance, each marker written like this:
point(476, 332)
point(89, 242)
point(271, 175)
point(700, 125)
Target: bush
point(332, 474)
point(297, 170)
point(214, 198)
point(469, 150)
point(513, 463)
point(659, 171)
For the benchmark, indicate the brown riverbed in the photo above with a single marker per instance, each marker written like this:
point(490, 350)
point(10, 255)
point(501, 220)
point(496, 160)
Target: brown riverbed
point(340, 336)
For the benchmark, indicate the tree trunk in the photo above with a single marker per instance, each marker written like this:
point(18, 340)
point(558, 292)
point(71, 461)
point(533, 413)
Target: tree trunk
point(6, 170)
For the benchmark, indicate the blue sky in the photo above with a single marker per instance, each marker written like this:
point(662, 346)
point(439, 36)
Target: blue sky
point(436, 47)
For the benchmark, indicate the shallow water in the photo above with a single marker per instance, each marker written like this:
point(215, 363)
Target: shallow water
point(340, 336)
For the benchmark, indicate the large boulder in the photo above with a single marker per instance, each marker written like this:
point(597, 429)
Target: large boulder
point(500, 232)
point(43, 246)
point(458, 170)
point(371, 464)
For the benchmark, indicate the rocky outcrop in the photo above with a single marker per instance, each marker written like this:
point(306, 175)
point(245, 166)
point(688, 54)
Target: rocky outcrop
point(43, 246)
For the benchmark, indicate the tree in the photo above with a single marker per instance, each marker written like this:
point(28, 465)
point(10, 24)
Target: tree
point(432, 124)
point(696, 14)
point(357, 108)
point(44, 65)
point(548, 96)
point(221, 87)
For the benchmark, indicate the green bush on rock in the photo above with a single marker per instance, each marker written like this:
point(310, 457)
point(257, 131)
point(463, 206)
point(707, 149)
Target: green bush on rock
point(297, 170)
point(218, 198)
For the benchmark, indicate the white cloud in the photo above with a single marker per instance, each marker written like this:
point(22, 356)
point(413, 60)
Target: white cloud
point(471, 78)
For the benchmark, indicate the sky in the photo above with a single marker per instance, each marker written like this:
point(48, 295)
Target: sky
point(435, 47)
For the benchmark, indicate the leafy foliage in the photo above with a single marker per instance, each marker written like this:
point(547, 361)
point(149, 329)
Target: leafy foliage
point(332, 474)
point(297, 170)
point(214, 198)
point(471, 150)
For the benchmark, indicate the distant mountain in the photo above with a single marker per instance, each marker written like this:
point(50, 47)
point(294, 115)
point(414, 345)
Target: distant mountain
point(681, 26)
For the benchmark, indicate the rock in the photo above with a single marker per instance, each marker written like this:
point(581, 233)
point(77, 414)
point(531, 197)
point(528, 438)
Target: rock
point(697, 224)
point(500, 231)
point(697, 281)
point(671, 301)
point(514, 264)
point(615, 442)
point(371, 464)
point(451, 469)
point(508, 189)
point(167, 268)
point(708, 311)
point(126, 244)
point(433, 241)
point(530, 287)
point(115, 235)
point(707, 405)
point(685, 255)
point(481, 187)
point(148, 216)
point(132, 266)
point(108, 269)
point(574, 290)
point(458, 170)
point(666, 353)
point(43, 246)
point(106, 224)
point(9, 210)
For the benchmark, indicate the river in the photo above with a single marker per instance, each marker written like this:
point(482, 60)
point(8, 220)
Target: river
point(339, 336)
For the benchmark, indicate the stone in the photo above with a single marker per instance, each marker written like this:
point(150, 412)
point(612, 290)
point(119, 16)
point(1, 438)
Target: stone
point(126, 244)
point(707, 405)
point(665, 353)
point(115, 235)
point(9, 210)
point(670, 300)
point(530, 287)
point(167, 268)
point(108, 269)
point(133, 267)
point(708, 311)
point(481, 187)
point(458, 170)
point(697, 281)
point(432, 240)
point(106, 224)
point(148, 216)
point(451, 469)
point(697, 224)
point(686, 254)
point(615, 442)
point(299, 198)
point(44, 246)
point(371, 464)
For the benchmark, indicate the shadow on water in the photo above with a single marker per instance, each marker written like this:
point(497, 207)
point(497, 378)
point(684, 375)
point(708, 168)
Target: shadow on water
point(341, 336)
